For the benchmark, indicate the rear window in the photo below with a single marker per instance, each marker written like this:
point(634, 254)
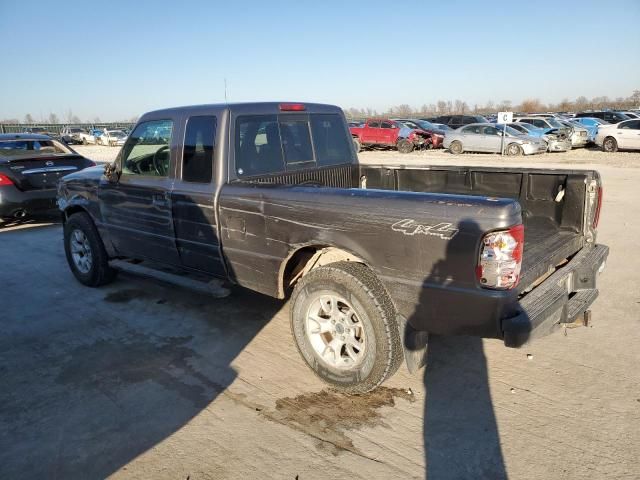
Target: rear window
point(197, 157)
point(31, 148)
point(271, 143)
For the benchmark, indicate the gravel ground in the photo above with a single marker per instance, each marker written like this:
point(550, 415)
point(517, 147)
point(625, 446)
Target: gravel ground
point(141, 380)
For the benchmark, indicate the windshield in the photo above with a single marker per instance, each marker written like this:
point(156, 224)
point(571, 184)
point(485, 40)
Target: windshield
point(427, 125)
point(510, 130)
point(554, 123)
point(117, 134)
point(32, 148)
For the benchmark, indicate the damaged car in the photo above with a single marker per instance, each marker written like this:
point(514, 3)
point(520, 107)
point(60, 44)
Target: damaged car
point(556, 141)
point(389, 134)
point(487, 138)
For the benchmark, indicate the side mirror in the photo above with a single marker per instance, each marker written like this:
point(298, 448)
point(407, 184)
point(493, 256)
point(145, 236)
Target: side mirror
point(111, 172)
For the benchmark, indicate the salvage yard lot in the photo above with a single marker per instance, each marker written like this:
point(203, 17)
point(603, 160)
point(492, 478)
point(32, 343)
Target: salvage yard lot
point(142, 380)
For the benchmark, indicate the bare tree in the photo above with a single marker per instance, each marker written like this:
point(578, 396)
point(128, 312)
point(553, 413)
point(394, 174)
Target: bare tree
point(53, 118)
point(403, 110)
point(635, 98)
point(442, 106)
point(28, 118)
point(531, 105)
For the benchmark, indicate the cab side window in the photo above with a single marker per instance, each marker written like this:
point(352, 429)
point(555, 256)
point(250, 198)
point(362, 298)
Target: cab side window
point(199, 144)
point(147, 150)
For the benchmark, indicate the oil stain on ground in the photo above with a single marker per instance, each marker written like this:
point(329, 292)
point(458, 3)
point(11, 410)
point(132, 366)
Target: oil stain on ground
point(326, 415)
point(125, 296)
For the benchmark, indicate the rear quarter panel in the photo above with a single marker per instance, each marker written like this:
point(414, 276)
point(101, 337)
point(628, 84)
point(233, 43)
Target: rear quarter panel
point(413, 241)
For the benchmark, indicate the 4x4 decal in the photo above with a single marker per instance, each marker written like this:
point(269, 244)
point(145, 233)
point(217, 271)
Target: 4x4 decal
point(410, 227)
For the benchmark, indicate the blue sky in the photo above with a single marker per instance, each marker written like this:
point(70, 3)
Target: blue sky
point(117, 59)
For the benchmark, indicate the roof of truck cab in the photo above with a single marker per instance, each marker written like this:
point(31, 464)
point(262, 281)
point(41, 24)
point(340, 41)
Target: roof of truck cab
point(244, 108)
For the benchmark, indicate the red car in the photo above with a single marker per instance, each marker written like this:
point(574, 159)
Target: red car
point(385, 133)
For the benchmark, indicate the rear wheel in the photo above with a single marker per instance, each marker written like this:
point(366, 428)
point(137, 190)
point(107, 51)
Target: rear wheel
point(84, 141)
point(456, 147)
point(405, 146)
point(85, 251)
point(514, 149)
point(356, 145)
point(345, 327)
point(610, 145)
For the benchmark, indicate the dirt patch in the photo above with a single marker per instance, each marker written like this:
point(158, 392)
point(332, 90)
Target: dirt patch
point(326, 415)
point(125, 296)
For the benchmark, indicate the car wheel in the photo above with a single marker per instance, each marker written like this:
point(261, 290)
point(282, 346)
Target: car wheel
point(610, 145)
point(513, 149)
point(85, 251)
point(456, 147)
point(98, 141)
point(405, 146)
point(344, 325)
point(84, 141)
point(356, 145)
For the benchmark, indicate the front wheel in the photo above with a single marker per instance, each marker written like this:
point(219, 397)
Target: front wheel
point(357, 145)
point(610, 145)
point(85, 251)
point(344, 325)
point(84, 141)
point(514, 149)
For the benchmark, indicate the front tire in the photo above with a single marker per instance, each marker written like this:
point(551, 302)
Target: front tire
point(513, 149)
point(344, 325)
point(357, 145)
point(456, 147)
point(85, 251)
point(610, 145)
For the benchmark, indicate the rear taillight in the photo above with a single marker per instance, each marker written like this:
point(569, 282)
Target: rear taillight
point(501, 258)
point(596, 215)
point(5, 181)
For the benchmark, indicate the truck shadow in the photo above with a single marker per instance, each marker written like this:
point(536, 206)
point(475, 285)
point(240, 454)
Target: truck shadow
point(88, 389)
point(461, 437)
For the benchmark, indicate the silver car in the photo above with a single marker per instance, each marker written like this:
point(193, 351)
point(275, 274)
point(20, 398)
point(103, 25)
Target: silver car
point(487, 137)
point(579, 135)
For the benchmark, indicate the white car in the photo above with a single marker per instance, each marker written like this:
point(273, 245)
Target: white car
point(623, 135)
point(113, 138)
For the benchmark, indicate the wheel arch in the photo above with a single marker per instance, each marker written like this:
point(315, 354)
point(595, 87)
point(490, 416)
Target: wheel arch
point(302, 260)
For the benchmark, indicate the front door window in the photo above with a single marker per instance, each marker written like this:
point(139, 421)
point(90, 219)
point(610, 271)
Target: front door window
point(147, 150)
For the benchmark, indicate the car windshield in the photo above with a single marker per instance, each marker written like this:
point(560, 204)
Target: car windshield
point(117, 134)
point(554, 123)
point(442, 126)
point(32, 148)
point(509, 130)
point(427, 125)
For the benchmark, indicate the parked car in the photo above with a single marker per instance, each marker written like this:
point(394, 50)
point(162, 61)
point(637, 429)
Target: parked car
point(457, 121)
point(624, 136)
point(372, 257)
point(579, 135)
point(631, 114)
point(607, 115)
point(556, 141)
point(30, 166)
point(487, 137)
point(437, 134)
point(74, 135)
point(113, 138)
point(547, 123)
point(385, 133)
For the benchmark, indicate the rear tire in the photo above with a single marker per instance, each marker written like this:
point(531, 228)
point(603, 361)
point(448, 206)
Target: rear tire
point(405, 146)
point(456, 147)
point(610, 145)
point(84, 141)
point(85, 252)
point(356, 145)
point(344, 325)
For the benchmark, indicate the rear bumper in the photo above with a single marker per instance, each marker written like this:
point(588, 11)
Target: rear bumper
point(31, 201)
point(561, 298)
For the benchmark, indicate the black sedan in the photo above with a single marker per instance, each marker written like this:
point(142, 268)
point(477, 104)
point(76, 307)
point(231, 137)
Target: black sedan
point(30, 166)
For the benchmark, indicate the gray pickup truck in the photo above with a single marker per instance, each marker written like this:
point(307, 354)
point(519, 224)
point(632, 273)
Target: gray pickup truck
point(271, 197)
